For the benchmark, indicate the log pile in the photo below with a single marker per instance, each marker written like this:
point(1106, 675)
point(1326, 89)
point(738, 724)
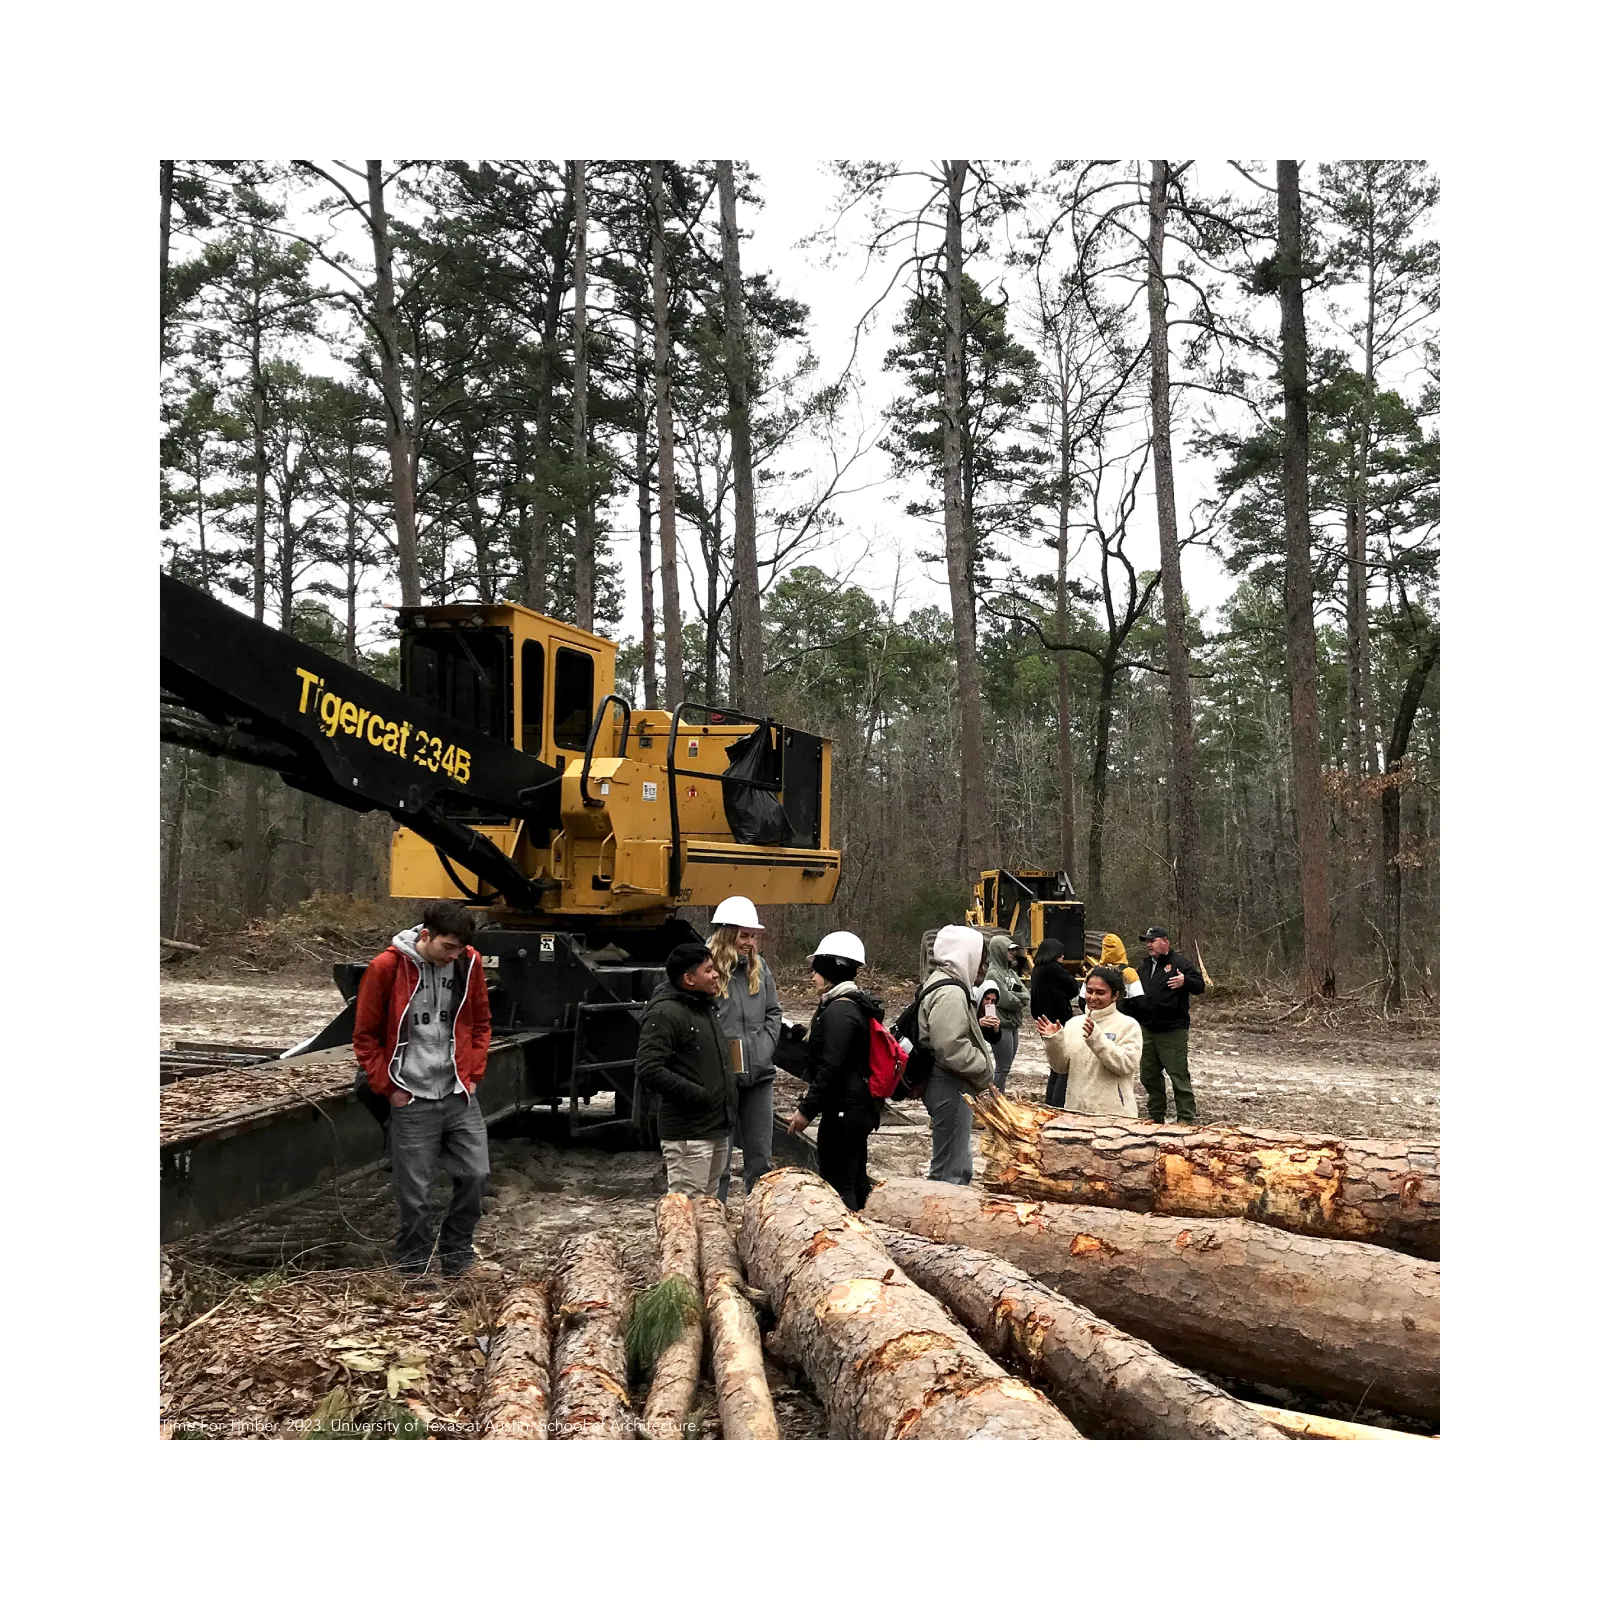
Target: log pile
point(590, 1362)
point(1110, 1384)
point(885, 1358)
point(516, 1382)
point(1350, 1322)
point(744, 1400)
point(677, 1369)
point(1374, 1191)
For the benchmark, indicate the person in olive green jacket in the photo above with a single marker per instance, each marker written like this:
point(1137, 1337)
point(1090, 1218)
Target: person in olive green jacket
point(1010, 1002)
point(683, 1059)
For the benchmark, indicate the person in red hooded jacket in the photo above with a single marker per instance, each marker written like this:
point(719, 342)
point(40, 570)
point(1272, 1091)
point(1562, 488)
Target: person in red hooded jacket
point(422, 1038)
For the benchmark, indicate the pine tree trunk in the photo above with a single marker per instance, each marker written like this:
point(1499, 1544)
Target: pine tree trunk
point(172, 876)
point(536, 558)
point(1394, 776)
point(677, 1370)
point(397, 430)
point(1185, 842)
point(744, 1401)
point(1350, 1322)
point(516, 1381)
point(1098, 779)
point(258, 443)
point(583, 519)
point(666, 486)
point(590, 1303)
point(641, 462)
point(1110, 1384)
point(886, 1359)
point(973, 841)
point(1310, 808)
point(747, 686)
point(1064, 768)
point(1383, 1192)
point(166, 246)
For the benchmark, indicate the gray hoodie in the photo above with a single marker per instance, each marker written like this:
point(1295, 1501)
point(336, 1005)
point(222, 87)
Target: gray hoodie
point(425, 1064)
point(756, 1019)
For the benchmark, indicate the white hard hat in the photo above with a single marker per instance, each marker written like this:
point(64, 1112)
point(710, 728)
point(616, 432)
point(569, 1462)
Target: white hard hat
point(844, 945)
point(735, 912)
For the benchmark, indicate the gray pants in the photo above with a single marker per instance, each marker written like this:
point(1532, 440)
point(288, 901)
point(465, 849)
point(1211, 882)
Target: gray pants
point(424, 1136)
point(694, 1165)
point(951, 1117)
point(1004, 1045)
point(753, 1135)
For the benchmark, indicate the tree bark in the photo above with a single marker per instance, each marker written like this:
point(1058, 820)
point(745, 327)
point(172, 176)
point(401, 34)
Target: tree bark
point(582, 517)
point(748, 686)
point(1181, 795)
point(1098, 777)
point(641, 461)
point(172, 877)
point(536, 558)
point(397, 429)
point(744, 1402)
point(1064, 767)
point(677, 1370)
point(1110, 1384)
point(1305, 724)
point(1383, 1192)
point(666, 486)
point(516, 1381)
point(972, 842)
point(1394, 776)
point(591, 1369)
point(887, 1360)
point(1348, 1322)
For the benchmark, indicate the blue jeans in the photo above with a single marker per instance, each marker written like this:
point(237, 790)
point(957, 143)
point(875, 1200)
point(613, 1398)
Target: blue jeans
point(424, 1136)
point(951, 1118)
point(1004, 1045)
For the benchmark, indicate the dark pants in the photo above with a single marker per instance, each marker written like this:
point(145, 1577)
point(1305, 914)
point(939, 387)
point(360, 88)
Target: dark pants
point(753, 1135)
point(424, 1136)
point(950, 1122)
point(1168, 1053)
point(1055, 1091)
point(1004, 1045)
point(842, 1151)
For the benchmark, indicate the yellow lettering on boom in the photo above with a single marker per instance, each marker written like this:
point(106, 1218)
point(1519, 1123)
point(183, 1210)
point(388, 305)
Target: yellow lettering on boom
point(307, 679)
point(377, 732)
point(328, 711)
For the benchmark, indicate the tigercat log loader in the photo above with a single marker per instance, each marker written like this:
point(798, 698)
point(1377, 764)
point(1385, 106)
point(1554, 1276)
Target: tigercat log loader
point(524, 784)
point(1031, 907)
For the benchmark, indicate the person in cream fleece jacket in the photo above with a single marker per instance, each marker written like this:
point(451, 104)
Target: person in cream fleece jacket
point(1099, 1053)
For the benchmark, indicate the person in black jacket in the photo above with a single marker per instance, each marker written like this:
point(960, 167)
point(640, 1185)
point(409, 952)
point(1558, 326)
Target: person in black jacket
point(1055, 988)
point(1162, 1011)
point(840, 1092)
point(683, 1058)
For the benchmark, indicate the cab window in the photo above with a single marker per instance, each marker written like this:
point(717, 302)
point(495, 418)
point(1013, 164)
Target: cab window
point(574, 707)
point(532, 697)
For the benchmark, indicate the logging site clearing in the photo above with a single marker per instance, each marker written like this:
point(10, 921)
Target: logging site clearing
point(287, 1321)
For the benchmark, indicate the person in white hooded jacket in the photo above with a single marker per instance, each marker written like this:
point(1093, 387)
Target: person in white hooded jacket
point(1099, 1054)
point(963, 1061)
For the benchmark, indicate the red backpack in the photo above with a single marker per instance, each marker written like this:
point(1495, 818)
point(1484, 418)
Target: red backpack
point(886, 1060)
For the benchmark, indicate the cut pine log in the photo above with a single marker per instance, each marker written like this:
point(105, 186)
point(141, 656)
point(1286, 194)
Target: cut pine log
point(884, 1357)
point(1110, 1384)
point(591, 1367)
point(516, 1379)
point(1374, 1191)
point(744, 1401)
point(677, 1369)
point(1297, 1425)
point(1349, 1322)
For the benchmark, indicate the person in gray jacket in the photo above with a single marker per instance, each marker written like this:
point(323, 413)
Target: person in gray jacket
point(751, 1017)
point(963, 1064)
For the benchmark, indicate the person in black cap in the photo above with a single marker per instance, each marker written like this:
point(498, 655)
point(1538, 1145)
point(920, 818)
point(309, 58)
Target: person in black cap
point(683, 1058)
point(1168, 980)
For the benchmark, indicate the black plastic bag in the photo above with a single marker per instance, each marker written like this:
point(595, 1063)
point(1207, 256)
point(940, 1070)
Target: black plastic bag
point(755, 816)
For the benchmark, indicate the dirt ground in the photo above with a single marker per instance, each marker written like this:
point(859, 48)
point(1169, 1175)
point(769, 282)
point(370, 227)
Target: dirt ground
point(1250, 1064)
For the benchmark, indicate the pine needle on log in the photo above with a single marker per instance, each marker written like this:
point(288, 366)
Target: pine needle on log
point(744, 1401)
point(664, 1332)
point(1375, 1191)
point(885, 1358)
point(1345, 1321)
point(590, 1364)
point(516, 1381)
point(1110, 1384)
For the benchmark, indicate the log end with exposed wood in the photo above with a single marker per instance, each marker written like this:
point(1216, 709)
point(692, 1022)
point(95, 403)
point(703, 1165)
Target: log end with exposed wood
point(884, 1357)
point(1374, 1191)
